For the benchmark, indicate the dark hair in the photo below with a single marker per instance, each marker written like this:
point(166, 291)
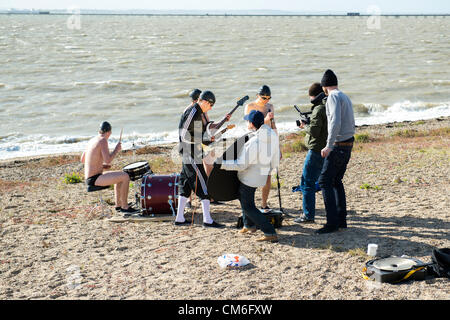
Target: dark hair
point(264, 91)
point(258, 124)
point(256, 117)
point(105, 127)
point(315, 89)
point(195, 94)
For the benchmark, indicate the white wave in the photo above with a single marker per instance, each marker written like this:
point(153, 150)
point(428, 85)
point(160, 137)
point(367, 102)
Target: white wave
point(112, 83)
point(15, 145)
point(441, 82)
point(406, 111)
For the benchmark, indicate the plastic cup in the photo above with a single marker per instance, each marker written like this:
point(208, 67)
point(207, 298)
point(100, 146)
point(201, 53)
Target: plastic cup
point(372, 249)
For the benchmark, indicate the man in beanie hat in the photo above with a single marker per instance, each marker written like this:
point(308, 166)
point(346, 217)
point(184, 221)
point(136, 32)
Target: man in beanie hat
point(337, 152)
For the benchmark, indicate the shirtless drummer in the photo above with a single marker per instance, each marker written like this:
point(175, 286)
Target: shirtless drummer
point(96, 158)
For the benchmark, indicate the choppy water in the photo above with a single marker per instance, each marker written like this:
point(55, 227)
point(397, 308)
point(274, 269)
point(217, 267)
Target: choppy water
point(58, 83)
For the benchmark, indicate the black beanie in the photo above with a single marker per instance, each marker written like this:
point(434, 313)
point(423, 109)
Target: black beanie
point(264, 91)
point(329, 79)
point(208, 96)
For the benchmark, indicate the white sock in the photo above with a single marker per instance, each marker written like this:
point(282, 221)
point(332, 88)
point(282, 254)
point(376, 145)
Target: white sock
point(180, 211)
point(206, 214)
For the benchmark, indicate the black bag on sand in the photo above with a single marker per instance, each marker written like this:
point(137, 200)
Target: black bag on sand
point(441, 263)
point(275, 218)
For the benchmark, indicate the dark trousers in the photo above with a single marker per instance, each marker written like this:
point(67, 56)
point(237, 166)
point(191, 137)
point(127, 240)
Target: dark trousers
point(251, 215)
point(330, 181)
point(193, 179)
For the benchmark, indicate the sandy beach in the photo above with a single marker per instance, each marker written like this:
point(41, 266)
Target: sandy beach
point(54, 246)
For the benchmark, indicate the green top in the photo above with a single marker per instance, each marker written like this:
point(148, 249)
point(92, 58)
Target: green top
point(316, 131)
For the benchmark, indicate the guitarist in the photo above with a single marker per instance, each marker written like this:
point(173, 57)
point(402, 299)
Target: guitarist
point(192, 134)
point(211, 129)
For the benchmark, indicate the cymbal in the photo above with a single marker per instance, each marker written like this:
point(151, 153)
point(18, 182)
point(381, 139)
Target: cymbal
point(394, 264)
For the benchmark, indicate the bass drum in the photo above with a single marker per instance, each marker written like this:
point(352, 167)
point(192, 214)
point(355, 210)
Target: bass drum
point(159, 194)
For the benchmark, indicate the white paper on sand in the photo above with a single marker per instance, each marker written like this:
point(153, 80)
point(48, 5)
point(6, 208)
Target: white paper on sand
point(232, 260)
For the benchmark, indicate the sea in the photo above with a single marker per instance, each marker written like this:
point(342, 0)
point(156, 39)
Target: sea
point(62, 75)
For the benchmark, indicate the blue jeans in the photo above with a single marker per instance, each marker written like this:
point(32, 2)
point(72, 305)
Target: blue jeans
point(311, 172)
point(330, 181)
point(251, 215)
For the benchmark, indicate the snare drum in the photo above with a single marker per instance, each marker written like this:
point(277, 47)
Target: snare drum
point(159, 194)
point(137, 170)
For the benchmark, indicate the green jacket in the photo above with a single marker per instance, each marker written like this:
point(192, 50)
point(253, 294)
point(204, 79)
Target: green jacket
point(316, 131)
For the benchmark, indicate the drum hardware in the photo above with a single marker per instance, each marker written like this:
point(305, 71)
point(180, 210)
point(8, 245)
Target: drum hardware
point(137, 199)
point(134, 151)
point(102, 204)
point(171, 207)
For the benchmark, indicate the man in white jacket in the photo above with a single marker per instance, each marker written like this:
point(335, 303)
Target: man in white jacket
point(260, 155)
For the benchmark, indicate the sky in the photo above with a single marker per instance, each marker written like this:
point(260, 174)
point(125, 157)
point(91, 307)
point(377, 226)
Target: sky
point(385, 6)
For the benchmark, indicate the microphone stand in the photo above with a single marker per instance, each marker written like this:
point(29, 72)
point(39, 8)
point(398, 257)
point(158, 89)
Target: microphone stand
point(278, 186)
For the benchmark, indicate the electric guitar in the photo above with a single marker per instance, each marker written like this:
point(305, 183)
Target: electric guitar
point(208, 148)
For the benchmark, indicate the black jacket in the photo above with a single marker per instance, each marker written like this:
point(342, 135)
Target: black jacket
point(191, 133)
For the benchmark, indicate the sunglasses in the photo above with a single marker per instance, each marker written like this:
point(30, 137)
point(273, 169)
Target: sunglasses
point(266, 98)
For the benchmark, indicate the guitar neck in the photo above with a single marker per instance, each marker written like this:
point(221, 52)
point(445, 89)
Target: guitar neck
point(225, 119)
point(221, 132)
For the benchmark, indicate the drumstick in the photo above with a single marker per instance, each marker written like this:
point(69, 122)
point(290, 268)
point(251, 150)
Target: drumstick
point(120, 139)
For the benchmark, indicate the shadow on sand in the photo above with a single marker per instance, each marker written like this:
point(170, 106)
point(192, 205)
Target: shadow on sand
point(394, 235)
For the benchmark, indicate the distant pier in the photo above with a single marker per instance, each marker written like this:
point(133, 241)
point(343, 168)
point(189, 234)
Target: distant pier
point(349, 14)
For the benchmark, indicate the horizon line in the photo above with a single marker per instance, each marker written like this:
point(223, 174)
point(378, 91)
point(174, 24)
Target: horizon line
point(219, 11)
